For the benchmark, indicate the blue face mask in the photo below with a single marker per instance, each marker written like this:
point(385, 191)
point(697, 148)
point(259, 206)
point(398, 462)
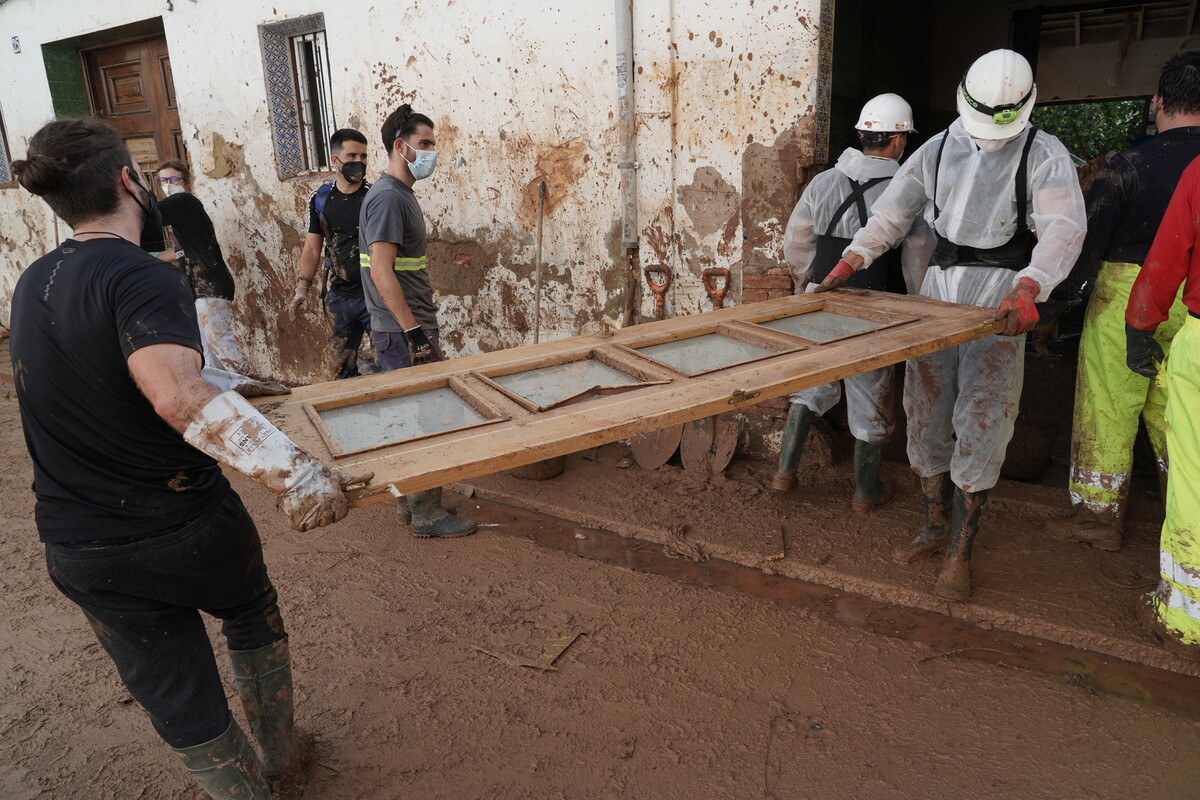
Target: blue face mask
point(422, 164)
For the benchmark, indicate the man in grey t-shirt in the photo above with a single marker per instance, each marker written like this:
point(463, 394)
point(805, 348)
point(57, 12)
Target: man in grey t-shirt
point(404, 329)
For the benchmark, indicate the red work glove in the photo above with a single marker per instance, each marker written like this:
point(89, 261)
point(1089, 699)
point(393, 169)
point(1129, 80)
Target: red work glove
point(1017, 313)
point(837, 277)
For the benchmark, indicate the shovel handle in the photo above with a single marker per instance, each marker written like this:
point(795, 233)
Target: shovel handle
point(716, 295)
point(659, 289)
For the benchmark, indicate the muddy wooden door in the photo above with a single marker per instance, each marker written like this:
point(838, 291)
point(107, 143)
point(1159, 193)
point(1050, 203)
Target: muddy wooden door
point(132, 87)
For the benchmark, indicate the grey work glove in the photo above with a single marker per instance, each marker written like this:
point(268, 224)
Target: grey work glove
point(298, 298)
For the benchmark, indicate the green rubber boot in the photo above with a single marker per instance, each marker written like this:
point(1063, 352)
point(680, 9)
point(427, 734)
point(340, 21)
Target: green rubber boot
point(869, 491)
point(937, 494)
point(431, 521)
point(795, 433)
point(226, 767)
point(264, 683)
point(954, 582)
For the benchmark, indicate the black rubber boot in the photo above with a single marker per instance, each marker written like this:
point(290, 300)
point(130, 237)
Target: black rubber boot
point(869, 491)
point(264, 683)
point(795, 433)
point(431, 521)
point(936, 493)
point(227, 767)
point(954, 582)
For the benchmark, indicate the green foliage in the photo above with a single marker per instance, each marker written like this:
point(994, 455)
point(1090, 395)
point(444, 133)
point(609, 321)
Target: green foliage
point(1092, 129)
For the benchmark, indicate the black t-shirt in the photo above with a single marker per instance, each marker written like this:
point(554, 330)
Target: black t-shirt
point(341, 237)
point(202, 259)
point(105, 465)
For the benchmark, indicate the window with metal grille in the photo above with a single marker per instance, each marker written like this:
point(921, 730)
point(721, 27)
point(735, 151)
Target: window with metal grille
point(312, 97)
point(299, 92)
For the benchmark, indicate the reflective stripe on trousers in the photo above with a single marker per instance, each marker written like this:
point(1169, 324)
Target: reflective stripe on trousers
point(1109, 398)
point(1178, 595)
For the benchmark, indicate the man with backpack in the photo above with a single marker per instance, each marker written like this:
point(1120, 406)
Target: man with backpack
point(333, 211)
point(985, 185)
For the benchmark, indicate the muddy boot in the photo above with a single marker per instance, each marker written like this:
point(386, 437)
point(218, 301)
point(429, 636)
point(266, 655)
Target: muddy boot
point(1147, 615)
point(430, 520)
point(403, 511)
point(937, 493)
point(954, 582)
point(264, 683)
point(795, 433)
point(869, 491)
point(227, 767)
point(1085, 526)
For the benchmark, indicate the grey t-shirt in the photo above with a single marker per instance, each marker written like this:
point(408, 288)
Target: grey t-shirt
point(390, 214)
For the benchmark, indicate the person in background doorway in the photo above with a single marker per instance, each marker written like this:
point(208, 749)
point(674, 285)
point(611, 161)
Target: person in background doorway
point(333, 212)
point(1172, 611)
point(142, 531)
point(1124, 207)
point(392, 245)
point(984, 185)
point(834, 206)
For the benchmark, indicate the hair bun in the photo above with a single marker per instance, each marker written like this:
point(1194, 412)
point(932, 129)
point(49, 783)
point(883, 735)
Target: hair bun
point(39, 173)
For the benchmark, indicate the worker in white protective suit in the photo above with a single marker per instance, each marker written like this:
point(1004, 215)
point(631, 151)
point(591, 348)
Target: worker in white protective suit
point(985, 185)
point(834, 206)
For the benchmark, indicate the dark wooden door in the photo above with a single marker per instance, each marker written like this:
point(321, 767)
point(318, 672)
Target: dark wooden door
point(132, 87)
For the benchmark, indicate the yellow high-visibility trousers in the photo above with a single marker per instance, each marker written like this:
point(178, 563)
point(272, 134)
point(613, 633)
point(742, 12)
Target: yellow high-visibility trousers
point(1110, 397)
point(1177, 599)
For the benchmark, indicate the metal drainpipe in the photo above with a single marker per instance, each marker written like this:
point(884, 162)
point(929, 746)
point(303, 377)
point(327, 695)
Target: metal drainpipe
point(628, 165)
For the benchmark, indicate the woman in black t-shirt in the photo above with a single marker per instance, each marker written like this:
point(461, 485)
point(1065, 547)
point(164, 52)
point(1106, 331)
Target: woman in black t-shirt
point(199, 255)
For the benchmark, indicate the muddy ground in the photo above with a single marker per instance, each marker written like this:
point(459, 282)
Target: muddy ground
point(409, 670)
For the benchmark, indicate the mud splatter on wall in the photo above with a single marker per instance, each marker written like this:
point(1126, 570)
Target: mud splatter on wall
point(521, 93)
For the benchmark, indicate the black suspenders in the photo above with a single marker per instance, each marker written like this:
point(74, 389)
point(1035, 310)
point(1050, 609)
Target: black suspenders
point(857, 197)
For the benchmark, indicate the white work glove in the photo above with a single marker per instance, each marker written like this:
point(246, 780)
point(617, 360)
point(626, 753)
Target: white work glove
point(232, 431)
point(298, 298)
point(244, 385)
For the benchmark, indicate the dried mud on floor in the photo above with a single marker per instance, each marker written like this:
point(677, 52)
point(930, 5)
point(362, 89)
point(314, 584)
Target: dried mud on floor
point(407, 667)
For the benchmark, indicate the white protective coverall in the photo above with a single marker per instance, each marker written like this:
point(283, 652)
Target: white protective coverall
point(962, 402)
point(868, 396)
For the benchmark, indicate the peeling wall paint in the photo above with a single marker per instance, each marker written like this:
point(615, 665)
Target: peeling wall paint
point(521, 93)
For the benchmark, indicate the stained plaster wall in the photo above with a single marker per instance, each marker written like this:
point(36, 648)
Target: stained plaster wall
point(520, 92)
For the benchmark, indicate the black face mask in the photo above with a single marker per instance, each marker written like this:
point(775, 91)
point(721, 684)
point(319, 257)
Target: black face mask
point(354, 171)
point(154, 238)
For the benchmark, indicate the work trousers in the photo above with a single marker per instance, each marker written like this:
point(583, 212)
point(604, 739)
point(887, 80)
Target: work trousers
point(869, 403)
point(143, 600)
point(392, 348)
point(349, 320)
point(1110, 397)
point(962, 402)
point(1177, 599)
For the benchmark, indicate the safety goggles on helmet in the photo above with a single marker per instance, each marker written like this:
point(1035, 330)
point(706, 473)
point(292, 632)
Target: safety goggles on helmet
point(1005, 114)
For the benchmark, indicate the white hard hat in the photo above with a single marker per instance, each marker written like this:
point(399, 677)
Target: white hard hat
point(997, 95)
point(886, 113)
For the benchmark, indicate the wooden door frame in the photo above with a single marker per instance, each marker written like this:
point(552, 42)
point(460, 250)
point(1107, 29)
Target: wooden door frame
point(517, 434)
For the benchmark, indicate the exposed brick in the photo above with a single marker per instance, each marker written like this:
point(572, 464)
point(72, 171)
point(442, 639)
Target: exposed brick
point(783, 282)
point(754, 295)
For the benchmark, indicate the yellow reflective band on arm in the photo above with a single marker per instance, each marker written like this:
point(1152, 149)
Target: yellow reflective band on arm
point(399, 265)
point(408, 264)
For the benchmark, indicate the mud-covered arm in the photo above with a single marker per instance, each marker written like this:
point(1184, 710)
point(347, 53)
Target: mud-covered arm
point(226, 427)
point(1170, 257)
point(1104, 204)
point(1059, 219)
point(800, 240)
